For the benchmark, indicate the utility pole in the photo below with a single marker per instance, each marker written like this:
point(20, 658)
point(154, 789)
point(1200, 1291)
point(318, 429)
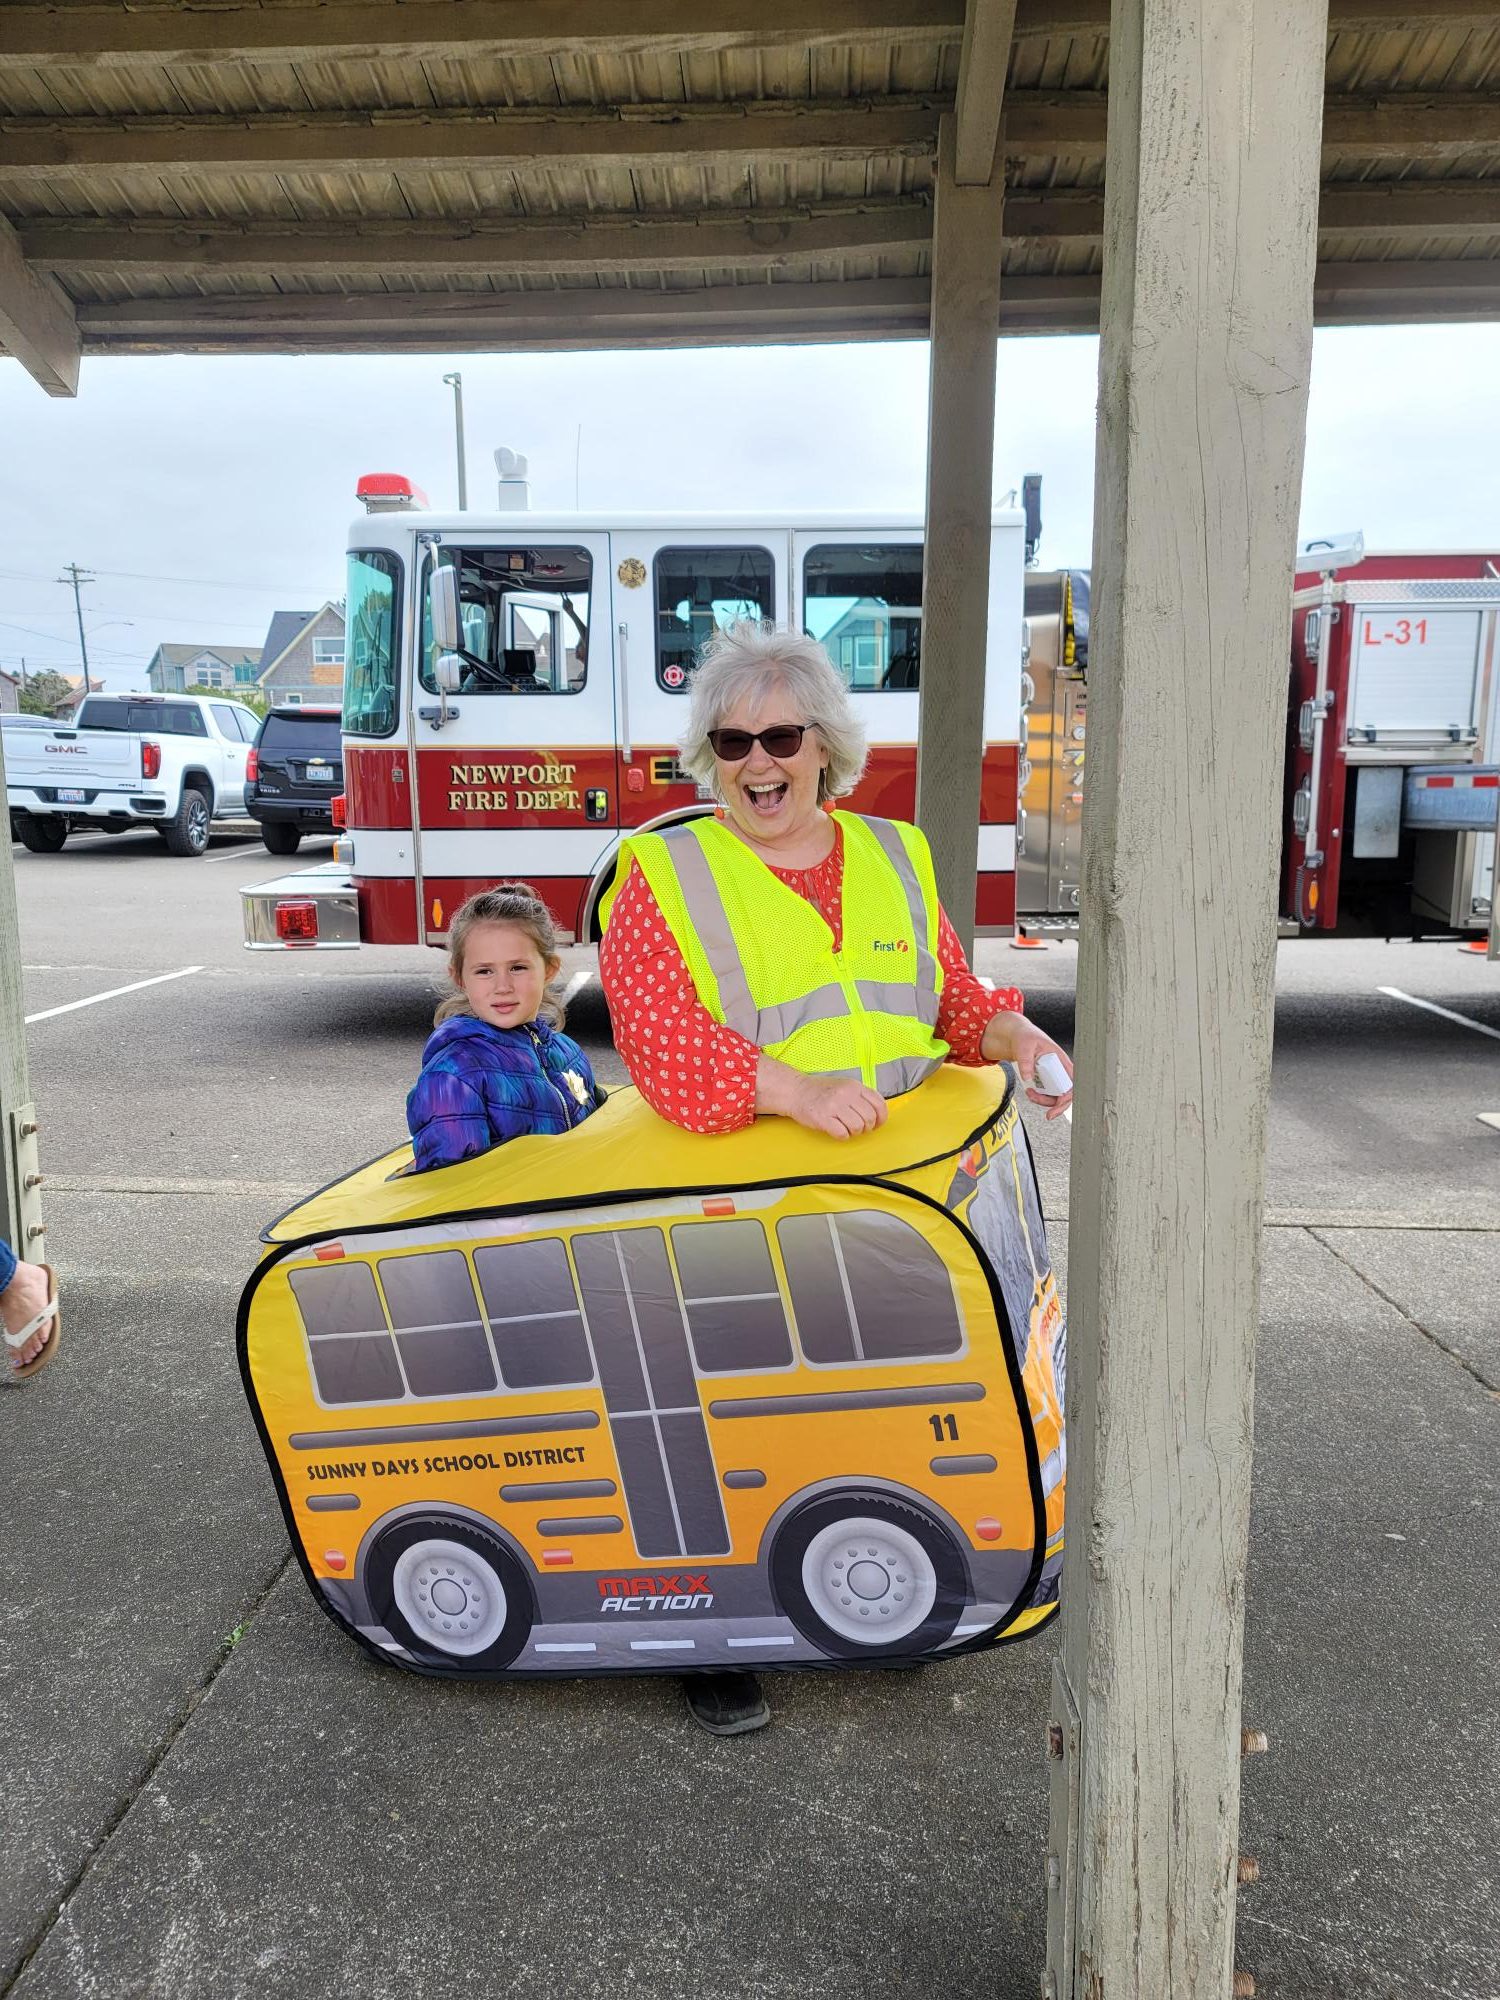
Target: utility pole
point(456, 384)
point(78, 577)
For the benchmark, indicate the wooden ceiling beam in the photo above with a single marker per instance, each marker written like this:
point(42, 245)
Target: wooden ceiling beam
point(1452, 210)
point(37, 324)
point(36, 149)
point(116, 36)
point(764, 239)
point(1038, 124)
point(984, 61)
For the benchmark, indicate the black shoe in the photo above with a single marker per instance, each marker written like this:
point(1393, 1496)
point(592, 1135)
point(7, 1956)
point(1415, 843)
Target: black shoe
point(726, 1704)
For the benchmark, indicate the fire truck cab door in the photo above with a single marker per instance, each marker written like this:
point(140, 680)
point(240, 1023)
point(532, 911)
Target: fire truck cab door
point(515, 770)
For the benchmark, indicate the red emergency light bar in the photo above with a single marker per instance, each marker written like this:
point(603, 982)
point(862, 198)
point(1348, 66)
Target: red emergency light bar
point(388, 492)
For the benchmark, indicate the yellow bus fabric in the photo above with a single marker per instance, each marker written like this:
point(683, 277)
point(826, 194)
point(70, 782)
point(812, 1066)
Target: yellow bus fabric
point(762, 958)
point(638, 1400)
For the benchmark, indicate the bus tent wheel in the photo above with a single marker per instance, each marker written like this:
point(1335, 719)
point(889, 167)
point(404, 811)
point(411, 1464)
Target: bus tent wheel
point(862, 1575)
point(450, 1592)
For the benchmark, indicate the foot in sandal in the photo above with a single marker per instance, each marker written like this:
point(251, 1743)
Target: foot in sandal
point(27, 1306)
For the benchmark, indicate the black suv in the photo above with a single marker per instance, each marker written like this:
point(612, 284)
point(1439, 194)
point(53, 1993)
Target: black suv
point(296, 771)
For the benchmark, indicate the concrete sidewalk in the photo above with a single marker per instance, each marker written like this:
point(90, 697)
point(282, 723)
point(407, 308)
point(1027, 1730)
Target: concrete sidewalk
point(210, 1791)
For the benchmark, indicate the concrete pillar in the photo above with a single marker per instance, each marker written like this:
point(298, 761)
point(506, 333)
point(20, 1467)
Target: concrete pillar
point(966, 244)
point(1212, 176)
point(20, 1210)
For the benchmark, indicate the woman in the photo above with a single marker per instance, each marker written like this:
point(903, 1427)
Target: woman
point(785, 959)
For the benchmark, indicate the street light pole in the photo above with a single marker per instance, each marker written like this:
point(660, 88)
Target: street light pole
point(456, 383)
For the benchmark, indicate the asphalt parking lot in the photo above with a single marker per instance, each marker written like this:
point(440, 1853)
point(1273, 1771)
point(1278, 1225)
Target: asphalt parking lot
point(209, 1791)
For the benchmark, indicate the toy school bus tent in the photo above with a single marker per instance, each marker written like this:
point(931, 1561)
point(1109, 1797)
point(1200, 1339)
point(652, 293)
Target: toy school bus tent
point(634, 1399)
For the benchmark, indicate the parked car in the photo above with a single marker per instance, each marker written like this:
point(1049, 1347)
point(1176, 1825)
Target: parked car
point(296, 771)
point(175, 763)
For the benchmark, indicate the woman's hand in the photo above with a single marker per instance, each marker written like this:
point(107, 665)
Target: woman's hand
point(1011, 1038)
point(841, 1106)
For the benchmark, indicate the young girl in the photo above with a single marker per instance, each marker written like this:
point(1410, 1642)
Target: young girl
point(498, 1066)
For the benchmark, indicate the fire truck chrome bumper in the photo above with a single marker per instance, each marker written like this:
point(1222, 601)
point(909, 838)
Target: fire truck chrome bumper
point(329, 887)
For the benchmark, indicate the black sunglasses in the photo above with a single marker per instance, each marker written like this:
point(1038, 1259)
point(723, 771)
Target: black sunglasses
point(783, 739)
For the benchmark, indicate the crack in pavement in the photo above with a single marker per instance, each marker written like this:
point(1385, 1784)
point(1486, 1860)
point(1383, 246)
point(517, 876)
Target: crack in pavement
point(1490, 1388)
point(116, 1819)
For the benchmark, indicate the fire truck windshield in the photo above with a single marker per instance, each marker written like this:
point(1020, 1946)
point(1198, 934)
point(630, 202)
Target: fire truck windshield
point(370, 667)
point(525, 615)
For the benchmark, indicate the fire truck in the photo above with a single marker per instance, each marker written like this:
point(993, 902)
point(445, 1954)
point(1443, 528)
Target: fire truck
point(1393, 744)
point(515, 686)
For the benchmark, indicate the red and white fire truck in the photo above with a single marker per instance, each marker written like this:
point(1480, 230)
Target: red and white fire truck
point(514, 689)
point(1393, 744)
point(1393, 752)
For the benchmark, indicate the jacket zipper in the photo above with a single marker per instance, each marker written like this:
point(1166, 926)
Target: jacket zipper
point(536, 1043)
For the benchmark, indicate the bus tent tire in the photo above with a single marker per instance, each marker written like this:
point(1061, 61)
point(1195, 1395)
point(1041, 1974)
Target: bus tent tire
point(863, 1576)
point(452, 1594)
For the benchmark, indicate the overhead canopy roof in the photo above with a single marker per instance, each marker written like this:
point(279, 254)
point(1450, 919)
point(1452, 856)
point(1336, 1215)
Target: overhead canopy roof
point(468, 174)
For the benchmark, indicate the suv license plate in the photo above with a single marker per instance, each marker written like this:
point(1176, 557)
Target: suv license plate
point(69, 797)
point(317, 776)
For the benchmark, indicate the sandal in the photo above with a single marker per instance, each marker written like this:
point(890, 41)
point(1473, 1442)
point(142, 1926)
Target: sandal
point(19, 1339)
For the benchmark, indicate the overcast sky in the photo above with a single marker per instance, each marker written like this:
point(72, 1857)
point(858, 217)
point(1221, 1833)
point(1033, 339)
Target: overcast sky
point(204, 494)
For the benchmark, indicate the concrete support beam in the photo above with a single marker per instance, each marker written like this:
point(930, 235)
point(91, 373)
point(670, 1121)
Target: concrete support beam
point(37, 324)
point(1205, 356)
point(982, 65)
point(966, 242)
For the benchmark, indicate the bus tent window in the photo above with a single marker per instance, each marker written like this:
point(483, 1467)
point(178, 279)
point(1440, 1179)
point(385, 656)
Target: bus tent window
point(533, 1312)
point(863, 601)
point(729, 1288)
point(353, 1356)
point(437, 1324)
point(703, 591)
point(867, 1287)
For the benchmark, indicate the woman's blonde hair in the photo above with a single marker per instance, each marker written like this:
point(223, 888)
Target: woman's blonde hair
point(507, 903)
point(742, 663)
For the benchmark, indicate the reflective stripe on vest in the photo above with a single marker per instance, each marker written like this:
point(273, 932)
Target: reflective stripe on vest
point(886, 1025)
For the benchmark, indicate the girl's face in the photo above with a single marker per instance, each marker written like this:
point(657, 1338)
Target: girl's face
point(504, 975)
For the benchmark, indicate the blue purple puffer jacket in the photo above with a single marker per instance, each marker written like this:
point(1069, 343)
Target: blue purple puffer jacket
point(482, 1085)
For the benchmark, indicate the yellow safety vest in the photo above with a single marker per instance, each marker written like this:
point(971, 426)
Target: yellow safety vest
point(762, 959)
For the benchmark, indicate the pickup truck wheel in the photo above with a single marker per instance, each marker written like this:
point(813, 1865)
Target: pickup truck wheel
point(280, 838)
point(44, 835)
point(187, 834)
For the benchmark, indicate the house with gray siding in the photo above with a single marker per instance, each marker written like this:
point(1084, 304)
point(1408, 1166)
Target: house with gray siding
point(302, 660)
point(10, 692)
point(174, 668)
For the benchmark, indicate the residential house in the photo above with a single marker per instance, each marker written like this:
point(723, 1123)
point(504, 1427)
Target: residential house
point(67, 709)
point(174, 668)
point(302, 660)
point(10, 692)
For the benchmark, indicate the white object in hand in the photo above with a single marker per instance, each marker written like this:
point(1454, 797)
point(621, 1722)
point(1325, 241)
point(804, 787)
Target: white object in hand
point(1051, 1076)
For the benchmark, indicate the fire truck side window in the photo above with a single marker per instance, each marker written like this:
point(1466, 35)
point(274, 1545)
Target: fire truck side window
point(698, 593)
point(370, 666)
point(525, 615)
point(867, 1287)
point(863, 601)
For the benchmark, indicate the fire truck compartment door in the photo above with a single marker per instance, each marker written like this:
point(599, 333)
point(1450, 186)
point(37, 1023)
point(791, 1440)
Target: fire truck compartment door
point(1414, 670)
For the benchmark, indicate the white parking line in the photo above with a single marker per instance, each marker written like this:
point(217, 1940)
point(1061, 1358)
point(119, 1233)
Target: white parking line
point(1447, 1013)
point(113, 994)
point(577, 983)
point(235, 853)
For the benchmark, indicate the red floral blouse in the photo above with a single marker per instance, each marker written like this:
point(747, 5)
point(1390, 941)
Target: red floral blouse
point(696, 1072)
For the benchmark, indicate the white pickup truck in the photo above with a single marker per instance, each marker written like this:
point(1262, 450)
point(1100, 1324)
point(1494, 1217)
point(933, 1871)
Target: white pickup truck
point(173, 762)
